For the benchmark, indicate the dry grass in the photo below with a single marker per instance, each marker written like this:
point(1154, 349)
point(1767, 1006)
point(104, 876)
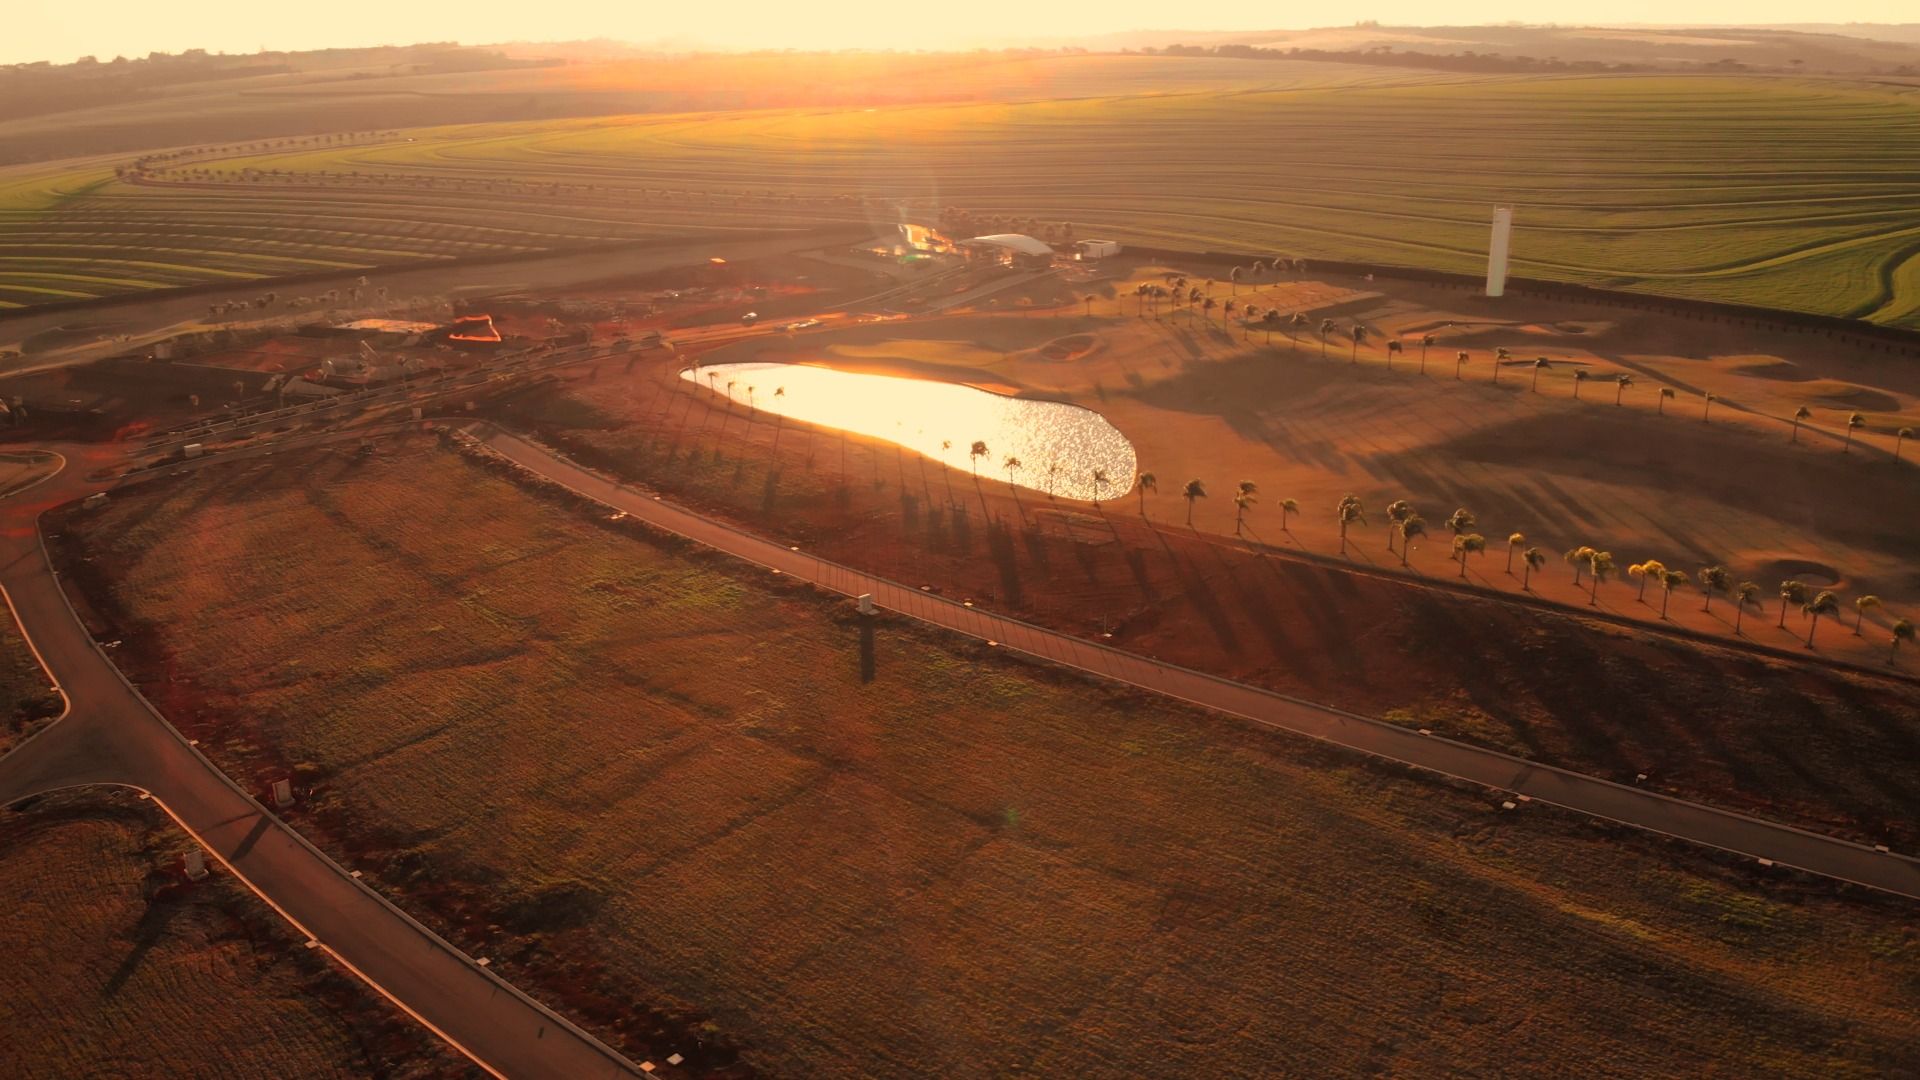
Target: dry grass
point(117, 969)
point(660, 769)
point(27, 700)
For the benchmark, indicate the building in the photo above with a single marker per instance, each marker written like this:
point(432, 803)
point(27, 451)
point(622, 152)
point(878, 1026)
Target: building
point(1097, 249)
point(1018, 249)
point(1497, 252)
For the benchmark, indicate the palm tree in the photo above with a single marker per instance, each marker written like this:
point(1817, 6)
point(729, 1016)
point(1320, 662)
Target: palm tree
point(1706, 410)
point(1902, 631)
point(1714, 579)
point(1620, 384)
point(1660, 406)
point(1861, 605)
point(1426, 342)
point(1142, 484)
point(1799, 414)
point(1854, 423)
point(1791, 592)
point(1899, 437)
point(1194, 489)
point(1287, 506)
point(1530, 560)
point(946, 473)
point(1100, 484)
point(1294, 324)
point(1601, 564)
point(1349, 511)
point(1359, 335)
point(1465, 545)
point(1513, 542)
point(1823, 603)
point(1461, 520)
point(1669, 579)
point(1326, 329)
point(1539, 364)
point(1579, 379)
point(1233, 281)
point(1399, 510)
point(1243, 501)
point(1053, 475)
point(1579, 557)
point(1393, 346)
point(1012, 465)
point(779, 418)
point(973, 458)
point(1649, 570)
point(1500, 356)
point(1459, 359)
point(1743, 594)
point(1410, 527)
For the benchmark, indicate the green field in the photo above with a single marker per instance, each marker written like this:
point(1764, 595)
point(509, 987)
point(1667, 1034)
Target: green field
point(1797, 193)
point(643, 780)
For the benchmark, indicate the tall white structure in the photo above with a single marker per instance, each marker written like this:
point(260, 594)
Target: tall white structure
point(1497, 252)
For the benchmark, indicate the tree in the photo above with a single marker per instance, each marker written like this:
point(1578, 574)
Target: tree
point(1466, 544)
point(1540, 364)
point(1799, 414)
point(1194, 489)
point(1579, 380)
point(780, 418)
point(1791, 592)
point(1359, 335)
point(1326, 329)
point(1233, 280)
point(1459, 359)
point(1088, 300)
point(1660, 408)
point(1823, 603)
point(1426, 342)
point(1530, 560)
point(1706, 410)
point(1500, 357)
point(1513, 542)
point(1243, 501)
point(1578, 557)
point(1100, 483)
point(1287, 506)
point(1744, 594)
point(1461, 520)
point(1854, 423)
point(1669, 580)
point(1142, 484)
point(1411, 527)
point(946, 473)
point(1714, 579)
point(1645, 571)
point(1600, 563)
point(1902, 631)
point(1620, 384)
point(1349, 511)
point(1393, 346)
point(973, 458)
point(1398, 511)
point(1899, 437)
point(1860, 607)
point(1012, 465)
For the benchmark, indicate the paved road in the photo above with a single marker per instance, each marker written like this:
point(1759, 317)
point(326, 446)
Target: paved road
point(1784, 845)
point(110, 735)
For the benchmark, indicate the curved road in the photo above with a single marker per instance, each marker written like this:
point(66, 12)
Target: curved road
point(1782, 844)
point(111, 735)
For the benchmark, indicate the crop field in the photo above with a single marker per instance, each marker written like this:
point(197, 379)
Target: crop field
point(116, 968)
point(1797, 193)
point(658, 779)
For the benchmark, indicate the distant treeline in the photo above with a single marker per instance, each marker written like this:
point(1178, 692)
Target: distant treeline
point(1387, 57)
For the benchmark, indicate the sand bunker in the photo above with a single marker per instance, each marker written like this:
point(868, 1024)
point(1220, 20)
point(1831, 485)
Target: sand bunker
point(1071, 347)
point(1770, 367)
point(1852, 396)
point(1817, 574)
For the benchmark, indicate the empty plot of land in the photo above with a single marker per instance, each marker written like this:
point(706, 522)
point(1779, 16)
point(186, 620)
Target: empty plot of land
point(117, 967)
point(662, 781)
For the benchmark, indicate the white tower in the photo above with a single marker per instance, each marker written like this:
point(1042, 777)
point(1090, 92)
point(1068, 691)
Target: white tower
point(1497, 252)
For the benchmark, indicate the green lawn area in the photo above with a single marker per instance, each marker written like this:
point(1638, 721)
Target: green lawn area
point(648, 780)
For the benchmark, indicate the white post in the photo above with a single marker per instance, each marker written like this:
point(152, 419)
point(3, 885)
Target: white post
point(196, 864)
point(866, 603)
point(1497, 252)
point(283, 793)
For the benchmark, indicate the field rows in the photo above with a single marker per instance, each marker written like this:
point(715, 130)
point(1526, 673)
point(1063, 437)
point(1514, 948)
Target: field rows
point(1798, 193)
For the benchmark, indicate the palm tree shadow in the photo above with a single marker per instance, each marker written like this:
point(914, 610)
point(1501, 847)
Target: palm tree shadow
point(147, 933)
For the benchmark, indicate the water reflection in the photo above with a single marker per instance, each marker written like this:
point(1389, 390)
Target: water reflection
point(1059, 446)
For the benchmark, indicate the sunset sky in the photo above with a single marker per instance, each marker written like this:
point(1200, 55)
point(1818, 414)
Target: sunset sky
point(46, 30)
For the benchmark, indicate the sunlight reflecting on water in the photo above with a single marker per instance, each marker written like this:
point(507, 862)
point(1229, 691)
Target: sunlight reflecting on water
point(1058, 445)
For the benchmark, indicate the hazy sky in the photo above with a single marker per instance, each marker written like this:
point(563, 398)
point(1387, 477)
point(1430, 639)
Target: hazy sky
point(64, 30)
